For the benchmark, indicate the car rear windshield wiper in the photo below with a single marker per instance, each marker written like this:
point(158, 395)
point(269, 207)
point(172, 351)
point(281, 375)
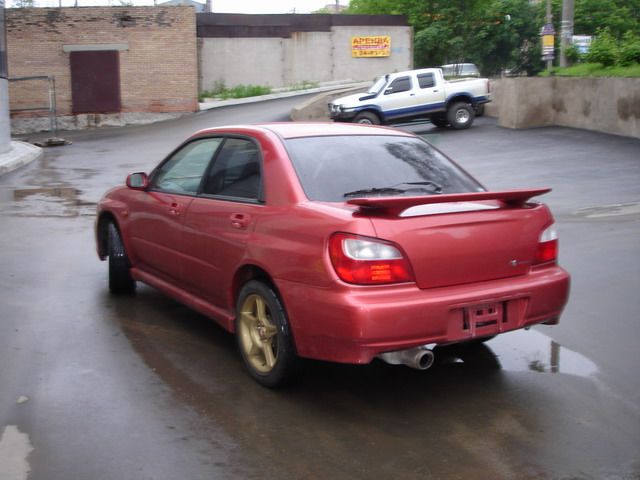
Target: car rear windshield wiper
point(436, 188)
point(394, 190)
point(375, 191)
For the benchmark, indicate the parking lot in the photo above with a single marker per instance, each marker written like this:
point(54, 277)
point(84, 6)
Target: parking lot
point(95, 386)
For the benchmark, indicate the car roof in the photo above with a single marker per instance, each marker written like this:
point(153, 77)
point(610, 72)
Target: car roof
point(307, 129)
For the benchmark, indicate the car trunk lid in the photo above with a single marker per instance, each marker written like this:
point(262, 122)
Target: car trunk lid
point(461, 238)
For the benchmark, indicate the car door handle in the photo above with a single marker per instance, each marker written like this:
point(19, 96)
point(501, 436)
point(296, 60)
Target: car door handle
point(239, 220)
point(174, 209)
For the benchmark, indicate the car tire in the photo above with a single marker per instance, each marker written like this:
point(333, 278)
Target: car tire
point(263, 335)
point(367, 118)
point(460, 115)
point(479, 110)
point(120, 279)
point(439, 120)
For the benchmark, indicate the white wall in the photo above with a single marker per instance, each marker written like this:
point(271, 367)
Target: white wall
point(306, 56)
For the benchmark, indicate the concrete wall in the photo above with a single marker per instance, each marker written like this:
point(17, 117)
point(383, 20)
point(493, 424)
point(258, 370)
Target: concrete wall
point(610, 105)
point(310, 56)
point(157, 54)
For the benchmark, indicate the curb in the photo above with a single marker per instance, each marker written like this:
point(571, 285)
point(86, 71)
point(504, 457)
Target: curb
point(273, 96)
point(21, 154)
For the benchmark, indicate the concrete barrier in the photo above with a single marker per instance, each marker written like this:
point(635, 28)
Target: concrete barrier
point(316, 110)
point(609, 105)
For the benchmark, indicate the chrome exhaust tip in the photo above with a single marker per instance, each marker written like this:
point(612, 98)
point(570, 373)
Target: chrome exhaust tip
point(420, 358)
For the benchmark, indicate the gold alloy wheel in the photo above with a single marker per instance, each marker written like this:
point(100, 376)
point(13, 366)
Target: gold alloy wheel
point(258, 334)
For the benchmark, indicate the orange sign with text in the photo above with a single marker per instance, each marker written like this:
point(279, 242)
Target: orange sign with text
point(377, 46)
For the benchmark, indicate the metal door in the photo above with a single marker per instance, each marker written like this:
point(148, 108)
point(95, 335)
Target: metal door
point(95, 81)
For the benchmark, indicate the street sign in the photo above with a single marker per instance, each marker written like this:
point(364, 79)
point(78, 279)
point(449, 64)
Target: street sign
point(548, 41)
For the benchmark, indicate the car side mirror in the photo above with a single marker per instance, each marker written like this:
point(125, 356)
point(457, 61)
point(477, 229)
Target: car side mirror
point(138, 181)
point(388, 91)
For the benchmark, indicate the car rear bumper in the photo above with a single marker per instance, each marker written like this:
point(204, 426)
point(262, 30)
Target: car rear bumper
point(352, 324)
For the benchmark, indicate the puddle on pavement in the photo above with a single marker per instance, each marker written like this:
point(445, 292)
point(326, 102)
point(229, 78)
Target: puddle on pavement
point(605, 211)
point(534, 351)
point(45, 202)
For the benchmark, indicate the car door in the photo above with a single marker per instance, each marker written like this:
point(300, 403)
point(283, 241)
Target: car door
point(157, 214)
point(429, 95)
point(220, 220)
point(398, 98)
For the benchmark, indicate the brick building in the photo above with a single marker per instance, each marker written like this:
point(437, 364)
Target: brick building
point(111, 64)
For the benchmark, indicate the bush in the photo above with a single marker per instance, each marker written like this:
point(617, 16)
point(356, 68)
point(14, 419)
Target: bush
point(573, 54)
point(629, 49)
point(604, 49)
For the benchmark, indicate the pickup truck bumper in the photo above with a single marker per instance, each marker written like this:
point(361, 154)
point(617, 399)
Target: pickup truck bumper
point(338, 115)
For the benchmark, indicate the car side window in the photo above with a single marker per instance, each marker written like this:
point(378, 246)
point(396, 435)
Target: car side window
point(402, 84)
point(182, 173)
point(426, 80)
point(236, 171)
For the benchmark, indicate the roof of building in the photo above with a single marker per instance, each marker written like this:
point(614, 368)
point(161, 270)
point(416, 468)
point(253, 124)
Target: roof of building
point(230, 25)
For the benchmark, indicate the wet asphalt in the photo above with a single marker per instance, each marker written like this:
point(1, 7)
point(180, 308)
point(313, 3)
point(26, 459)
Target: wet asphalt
point(100, 387)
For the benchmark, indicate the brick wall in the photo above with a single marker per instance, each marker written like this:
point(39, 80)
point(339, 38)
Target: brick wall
point(158, 56)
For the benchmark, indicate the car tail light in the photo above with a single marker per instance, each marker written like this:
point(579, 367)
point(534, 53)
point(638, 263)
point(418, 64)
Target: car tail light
point(368, 261)
point(547, 251)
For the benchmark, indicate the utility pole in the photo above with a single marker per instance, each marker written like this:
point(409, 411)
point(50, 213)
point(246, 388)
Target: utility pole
point(548, 34)
point(566, 30)
point(5, 123)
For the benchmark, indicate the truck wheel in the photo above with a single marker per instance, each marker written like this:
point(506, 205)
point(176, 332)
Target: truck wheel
point(439, 120)
point(460, 115)
point(367, 118)
point(264, 336)
point(480, 110)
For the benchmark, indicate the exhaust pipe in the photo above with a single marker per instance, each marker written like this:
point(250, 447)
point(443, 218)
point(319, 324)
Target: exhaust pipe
point(419, 358)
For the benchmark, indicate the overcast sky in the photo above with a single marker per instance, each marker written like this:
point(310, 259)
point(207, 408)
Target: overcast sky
point(220, 6)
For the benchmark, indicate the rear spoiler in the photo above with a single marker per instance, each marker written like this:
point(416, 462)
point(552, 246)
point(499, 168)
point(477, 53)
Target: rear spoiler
point(396, 205)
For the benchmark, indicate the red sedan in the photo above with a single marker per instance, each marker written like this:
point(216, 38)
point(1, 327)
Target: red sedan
point(332, 241)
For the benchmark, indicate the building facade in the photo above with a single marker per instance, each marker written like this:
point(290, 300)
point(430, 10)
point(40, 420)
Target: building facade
point(111, 64)
point(119, 65)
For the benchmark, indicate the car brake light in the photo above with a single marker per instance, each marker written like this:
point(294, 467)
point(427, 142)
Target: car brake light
point(547, 251)
point(368, 261)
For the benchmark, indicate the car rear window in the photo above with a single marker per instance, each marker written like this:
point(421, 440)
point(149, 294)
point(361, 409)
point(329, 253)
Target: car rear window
point(336, 168)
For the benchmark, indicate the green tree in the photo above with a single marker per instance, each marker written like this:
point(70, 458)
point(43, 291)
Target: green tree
point(630, 49)
point(604, 49)
point(619, 16)
point(497, 34)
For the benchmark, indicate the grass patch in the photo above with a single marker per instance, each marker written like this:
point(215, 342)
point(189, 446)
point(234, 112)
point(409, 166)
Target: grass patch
point(304, 85)
point(593, 70)
point(221, 92)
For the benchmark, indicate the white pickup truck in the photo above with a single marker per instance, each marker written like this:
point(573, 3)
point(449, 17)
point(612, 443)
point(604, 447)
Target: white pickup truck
point(402, 96)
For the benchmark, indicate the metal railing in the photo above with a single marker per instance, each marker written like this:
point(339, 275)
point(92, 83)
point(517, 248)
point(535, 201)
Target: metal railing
point(51, 107)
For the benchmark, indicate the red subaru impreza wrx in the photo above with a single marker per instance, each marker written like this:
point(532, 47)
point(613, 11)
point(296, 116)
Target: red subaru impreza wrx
point(336, 242)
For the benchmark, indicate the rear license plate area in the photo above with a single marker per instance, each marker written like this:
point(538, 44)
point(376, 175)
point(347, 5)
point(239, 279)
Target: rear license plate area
point(482, 320)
